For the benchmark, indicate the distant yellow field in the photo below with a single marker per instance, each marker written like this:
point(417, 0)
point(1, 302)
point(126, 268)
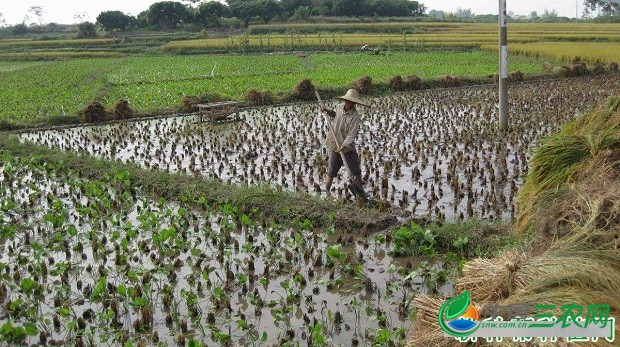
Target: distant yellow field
point(421, 27)
point(412, 35)
point(591, 52)
point(559, 41)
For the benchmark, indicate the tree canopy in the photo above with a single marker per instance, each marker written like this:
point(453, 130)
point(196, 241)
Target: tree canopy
point(350, 7)
point(264, 10)
point(290, 6)
point(19, 29)
point(396, 8)
point(171, 14)
point(168, 14)
point(209, 14)
point(114, 20)
point(607, 7)
point(87, 30)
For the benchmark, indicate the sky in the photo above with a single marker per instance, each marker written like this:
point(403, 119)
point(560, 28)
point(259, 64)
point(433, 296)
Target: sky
point(65, 11)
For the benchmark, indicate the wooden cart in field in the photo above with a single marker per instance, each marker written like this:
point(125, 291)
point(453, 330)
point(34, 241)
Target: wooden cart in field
point(219, 112)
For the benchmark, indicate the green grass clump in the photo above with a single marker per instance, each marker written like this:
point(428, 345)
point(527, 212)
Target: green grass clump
point(469, 239)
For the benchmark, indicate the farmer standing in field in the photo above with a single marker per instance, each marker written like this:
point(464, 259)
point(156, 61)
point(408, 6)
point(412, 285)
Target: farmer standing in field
point(345, 126)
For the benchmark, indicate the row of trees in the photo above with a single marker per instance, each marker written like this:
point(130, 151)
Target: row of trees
point(467, 15)
point(171, 14)
point(605, 8)
point(197, 14)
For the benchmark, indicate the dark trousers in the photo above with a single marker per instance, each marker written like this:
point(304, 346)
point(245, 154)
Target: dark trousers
point(335, 162)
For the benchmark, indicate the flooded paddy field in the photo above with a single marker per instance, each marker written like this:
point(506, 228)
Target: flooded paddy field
point(434, 153)
point(97, 263)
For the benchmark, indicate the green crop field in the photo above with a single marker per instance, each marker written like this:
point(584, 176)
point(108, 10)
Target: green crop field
point(70, 74)
point(49, 55)
point(35, 91)
point(52, 88)
point(55, 43)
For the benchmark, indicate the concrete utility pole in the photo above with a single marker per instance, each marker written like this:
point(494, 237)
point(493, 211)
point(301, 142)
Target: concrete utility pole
point(503, 67)
point(576, 9)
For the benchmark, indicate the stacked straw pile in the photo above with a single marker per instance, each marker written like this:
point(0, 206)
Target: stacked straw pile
point(571, 204)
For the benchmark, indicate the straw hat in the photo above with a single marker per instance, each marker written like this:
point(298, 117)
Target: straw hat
point(353, 96)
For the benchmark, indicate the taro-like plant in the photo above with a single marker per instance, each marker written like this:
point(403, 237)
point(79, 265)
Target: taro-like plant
point(335, 253)
point(412, 240)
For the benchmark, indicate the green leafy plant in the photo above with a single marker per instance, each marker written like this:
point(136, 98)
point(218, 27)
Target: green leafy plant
point(412, 240)
point(334, 253)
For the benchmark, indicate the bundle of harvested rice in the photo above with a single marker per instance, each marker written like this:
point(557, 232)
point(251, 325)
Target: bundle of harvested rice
point(427, 309)
point(571, 201)
point(589, 273)
point(581, 269)
point(426, 331)
point(584, 152)
point(491, 279)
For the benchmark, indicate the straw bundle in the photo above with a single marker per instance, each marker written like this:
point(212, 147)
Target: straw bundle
point(571, 201)
point(584, 154)
point(426, 331)
point(491, 279)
